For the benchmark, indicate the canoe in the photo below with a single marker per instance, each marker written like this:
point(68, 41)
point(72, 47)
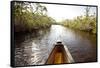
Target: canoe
point(59, 55)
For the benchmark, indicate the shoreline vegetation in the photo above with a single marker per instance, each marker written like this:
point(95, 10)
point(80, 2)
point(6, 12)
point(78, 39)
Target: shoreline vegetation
point(28, 17)
point(82, 23)
point(31, 17)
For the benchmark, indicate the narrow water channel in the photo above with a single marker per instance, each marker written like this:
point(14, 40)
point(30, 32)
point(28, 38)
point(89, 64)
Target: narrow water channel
point(35, 50)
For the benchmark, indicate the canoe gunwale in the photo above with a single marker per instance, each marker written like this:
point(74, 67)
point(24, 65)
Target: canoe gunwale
point(67, 58)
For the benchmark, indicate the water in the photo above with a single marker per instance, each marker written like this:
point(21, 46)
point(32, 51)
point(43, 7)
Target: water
point(35, 48)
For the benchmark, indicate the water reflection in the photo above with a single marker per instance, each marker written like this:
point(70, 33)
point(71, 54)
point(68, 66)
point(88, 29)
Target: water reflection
point(35, 49)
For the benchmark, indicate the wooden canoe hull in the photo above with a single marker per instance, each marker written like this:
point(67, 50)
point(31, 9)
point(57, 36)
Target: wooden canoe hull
point(58, 55)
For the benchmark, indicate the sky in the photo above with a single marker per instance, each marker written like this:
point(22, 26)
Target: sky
point(62, 12)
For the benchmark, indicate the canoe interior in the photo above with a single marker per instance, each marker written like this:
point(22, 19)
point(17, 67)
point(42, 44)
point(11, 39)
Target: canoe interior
point(58, 55)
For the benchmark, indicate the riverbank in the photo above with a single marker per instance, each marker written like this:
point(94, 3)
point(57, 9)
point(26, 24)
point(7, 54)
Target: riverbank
point(91, 31)
point(26, 20)
point(83, 23)
point(21, 29)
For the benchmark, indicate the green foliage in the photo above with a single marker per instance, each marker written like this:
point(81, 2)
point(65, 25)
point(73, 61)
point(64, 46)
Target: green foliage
point(86, 22)
point(30, 16)
point(82, 23)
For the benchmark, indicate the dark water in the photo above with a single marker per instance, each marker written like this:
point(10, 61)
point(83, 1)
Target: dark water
point(34, 49)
